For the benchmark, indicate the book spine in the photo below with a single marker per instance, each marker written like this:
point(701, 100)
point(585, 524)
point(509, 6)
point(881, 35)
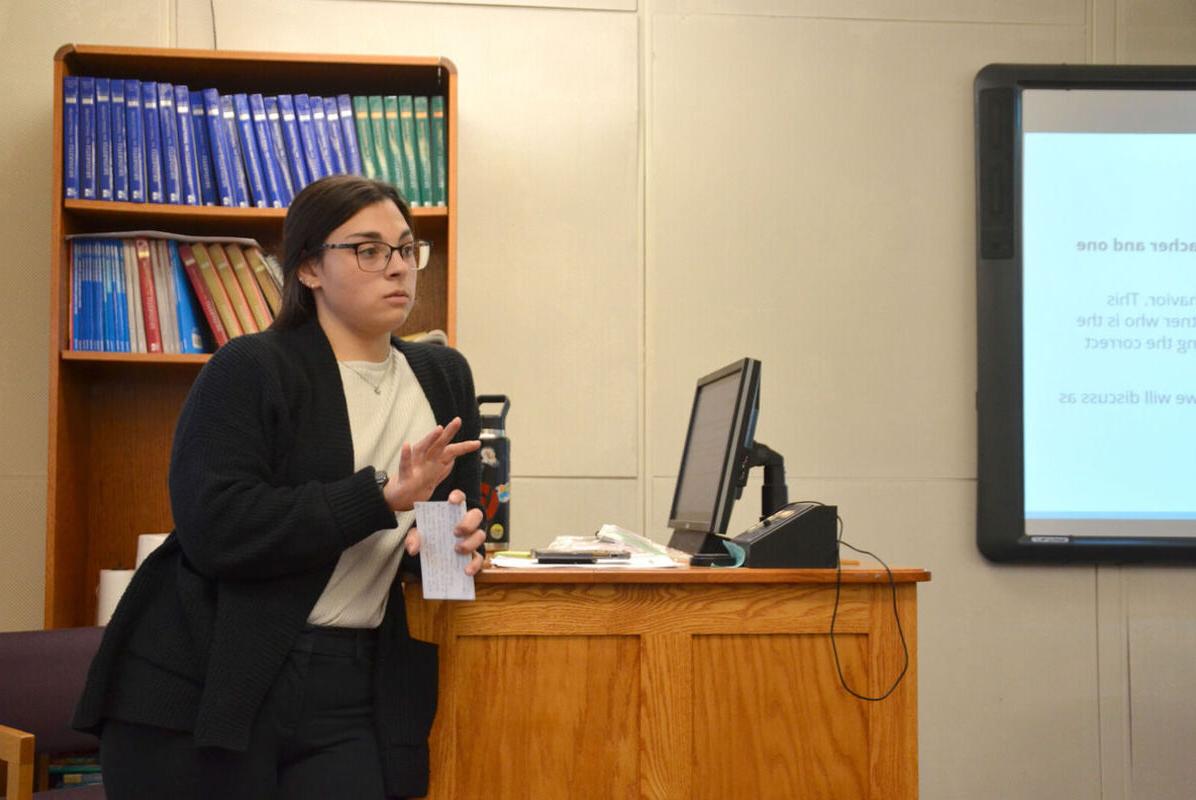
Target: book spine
point(192, 194)
point(76, 293)
point(286, 185)
point(253, 293)
point(220, 298)
point(203, 151)
point(307, 132)
point(265, 280)
point(120, 309)
point(319, 125)
point(296, 160)
point(222, 167)
point(104, 174)
point(236, 159)
point(133, 130)
point(394, 146)
point(423, 150)
point(169, 133)
point(87, 137)
point(438, 144)
point(411, 185)
point(346, 115)
point(133, 278)
point(191, 268)
point(381, 149)
point(235, 296)
point(108, 298)
point(336, 147)
point(149, 298)
point(164, 288)
point(155, 189)
point(265, 147)
point(70, 137)
point(365, 139)
point(249, 151)
point(128, 286)
point(94, 325)
point(120, 144)
point(190, 334)
point(85, 295)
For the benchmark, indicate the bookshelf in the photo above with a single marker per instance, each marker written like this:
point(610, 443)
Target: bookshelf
point(112, 415)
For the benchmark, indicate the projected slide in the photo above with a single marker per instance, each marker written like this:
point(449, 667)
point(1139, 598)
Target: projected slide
point(1109, 329)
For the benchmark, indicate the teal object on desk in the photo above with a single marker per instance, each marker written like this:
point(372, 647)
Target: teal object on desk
point(737, 553)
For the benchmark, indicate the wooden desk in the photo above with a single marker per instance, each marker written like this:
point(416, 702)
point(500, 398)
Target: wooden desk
point(673, 684)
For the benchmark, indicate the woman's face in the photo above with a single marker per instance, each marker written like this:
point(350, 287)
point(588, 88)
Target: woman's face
point(368, 304)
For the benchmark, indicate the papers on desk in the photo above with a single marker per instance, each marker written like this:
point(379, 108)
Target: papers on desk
point(637, 552)
point(442, 568)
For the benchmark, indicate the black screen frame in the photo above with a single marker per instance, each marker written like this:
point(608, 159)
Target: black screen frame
point(701, 536)
point(1000, 516)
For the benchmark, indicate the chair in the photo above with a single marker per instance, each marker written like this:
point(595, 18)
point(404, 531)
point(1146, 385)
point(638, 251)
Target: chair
point(41, 679)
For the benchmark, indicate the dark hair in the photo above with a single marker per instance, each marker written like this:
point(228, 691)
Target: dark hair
point(318, 210)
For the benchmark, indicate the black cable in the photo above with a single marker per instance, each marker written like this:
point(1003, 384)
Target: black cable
point(212, 8)
point(835, 614)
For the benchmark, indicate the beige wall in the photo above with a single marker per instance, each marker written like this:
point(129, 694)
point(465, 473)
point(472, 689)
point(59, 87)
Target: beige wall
point(649, 191)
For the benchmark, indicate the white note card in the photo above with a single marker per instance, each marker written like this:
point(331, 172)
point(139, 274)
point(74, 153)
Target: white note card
point(441, 566)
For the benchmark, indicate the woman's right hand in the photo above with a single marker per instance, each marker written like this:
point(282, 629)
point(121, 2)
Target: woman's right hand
point(422, 467)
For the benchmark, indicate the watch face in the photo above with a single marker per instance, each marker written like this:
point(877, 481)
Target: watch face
point(380, 478)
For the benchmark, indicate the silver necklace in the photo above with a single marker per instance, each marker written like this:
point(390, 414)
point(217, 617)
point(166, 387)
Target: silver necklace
point(377, 387)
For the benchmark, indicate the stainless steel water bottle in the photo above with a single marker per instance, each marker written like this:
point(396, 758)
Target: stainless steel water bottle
point(496, 473)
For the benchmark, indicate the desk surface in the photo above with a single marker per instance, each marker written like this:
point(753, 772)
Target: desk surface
point(852, 574)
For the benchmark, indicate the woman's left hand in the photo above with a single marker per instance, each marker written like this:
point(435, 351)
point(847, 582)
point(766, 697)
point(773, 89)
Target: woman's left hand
point(469, 538)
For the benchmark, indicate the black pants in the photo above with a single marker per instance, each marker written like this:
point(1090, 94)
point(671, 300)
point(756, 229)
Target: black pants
point(313, 738)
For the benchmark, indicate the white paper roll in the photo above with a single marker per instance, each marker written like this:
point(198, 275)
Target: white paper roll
point(113, 583)
point(147, 543)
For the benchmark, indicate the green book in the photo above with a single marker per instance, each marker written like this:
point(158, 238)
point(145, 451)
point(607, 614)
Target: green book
point(410, 163)
point(423, 149)
point(365, 140)
point(439, 167)
point(394, 140)
point(378, 127)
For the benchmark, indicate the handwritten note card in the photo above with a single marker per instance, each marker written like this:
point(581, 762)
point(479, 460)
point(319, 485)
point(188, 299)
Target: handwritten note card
point(442, 567)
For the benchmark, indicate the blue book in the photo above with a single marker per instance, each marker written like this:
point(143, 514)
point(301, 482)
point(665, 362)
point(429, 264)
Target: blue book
point(154, 187)
point(344, 105)
point(203, 150)
point(265, 148)
point(332, 117)
point(274, 120)
point(92, 328)
point(222, 166)
point(76, 293)
point(307, 132)
point(109, 286)
point(70, 139)
point(120, 144)
point(104, 138)
point(236, 159)
point(133, 127)
point(296, 159)
point(319, 124)
point(250, 151)
point(192, 195)
point(87, 137)
point(115, 252)
point(187, 305)
point(83, 294)
point(168, 133)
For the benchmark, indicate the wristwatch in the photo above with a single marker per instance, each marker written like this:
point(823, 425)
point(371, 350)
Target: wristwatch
point(380, 478)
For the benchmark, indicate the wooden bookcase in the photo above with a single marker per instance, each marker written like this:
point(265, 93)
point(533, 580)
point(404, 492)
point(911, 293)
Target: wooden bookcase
point(112, 415)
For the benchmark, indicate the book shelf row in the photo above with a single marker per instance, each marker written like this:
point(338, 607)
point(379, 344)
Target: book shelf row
point(148, 142)
point(160, 294)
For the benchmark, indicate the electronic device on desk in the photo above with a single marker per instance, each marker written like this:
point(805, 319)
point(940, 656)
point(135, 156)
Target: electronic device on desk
point(720, 450)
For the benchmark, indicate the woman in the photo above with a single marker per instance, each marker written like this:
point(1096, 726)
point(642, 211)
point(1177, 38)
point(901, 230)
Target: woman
point(262, 650)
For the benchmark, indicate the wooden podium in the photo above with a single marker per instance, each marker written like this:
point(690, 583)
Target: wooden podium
point(686, 683)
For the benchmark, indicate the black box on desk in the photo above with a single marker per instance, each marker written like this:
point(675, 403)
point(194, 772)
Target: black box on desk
point(798, 535)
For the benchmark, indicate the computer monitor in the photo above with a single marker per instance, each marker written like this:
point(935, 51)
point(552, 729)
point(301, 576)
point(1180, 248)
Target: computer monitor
point(718, 453)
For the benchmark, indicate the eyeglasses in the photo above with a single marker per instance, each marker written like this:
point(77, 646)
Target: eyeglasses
point(375, 256)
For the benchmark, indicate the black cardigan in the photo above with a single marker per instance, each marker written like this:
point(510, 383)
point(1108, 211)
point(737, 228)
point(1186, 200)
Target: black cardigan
point(265, 499)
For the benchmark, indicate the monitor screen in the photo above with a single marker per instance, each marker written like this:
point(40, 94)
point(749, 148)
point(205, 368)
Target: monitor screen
point(1085, 300)
point(714, 466)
